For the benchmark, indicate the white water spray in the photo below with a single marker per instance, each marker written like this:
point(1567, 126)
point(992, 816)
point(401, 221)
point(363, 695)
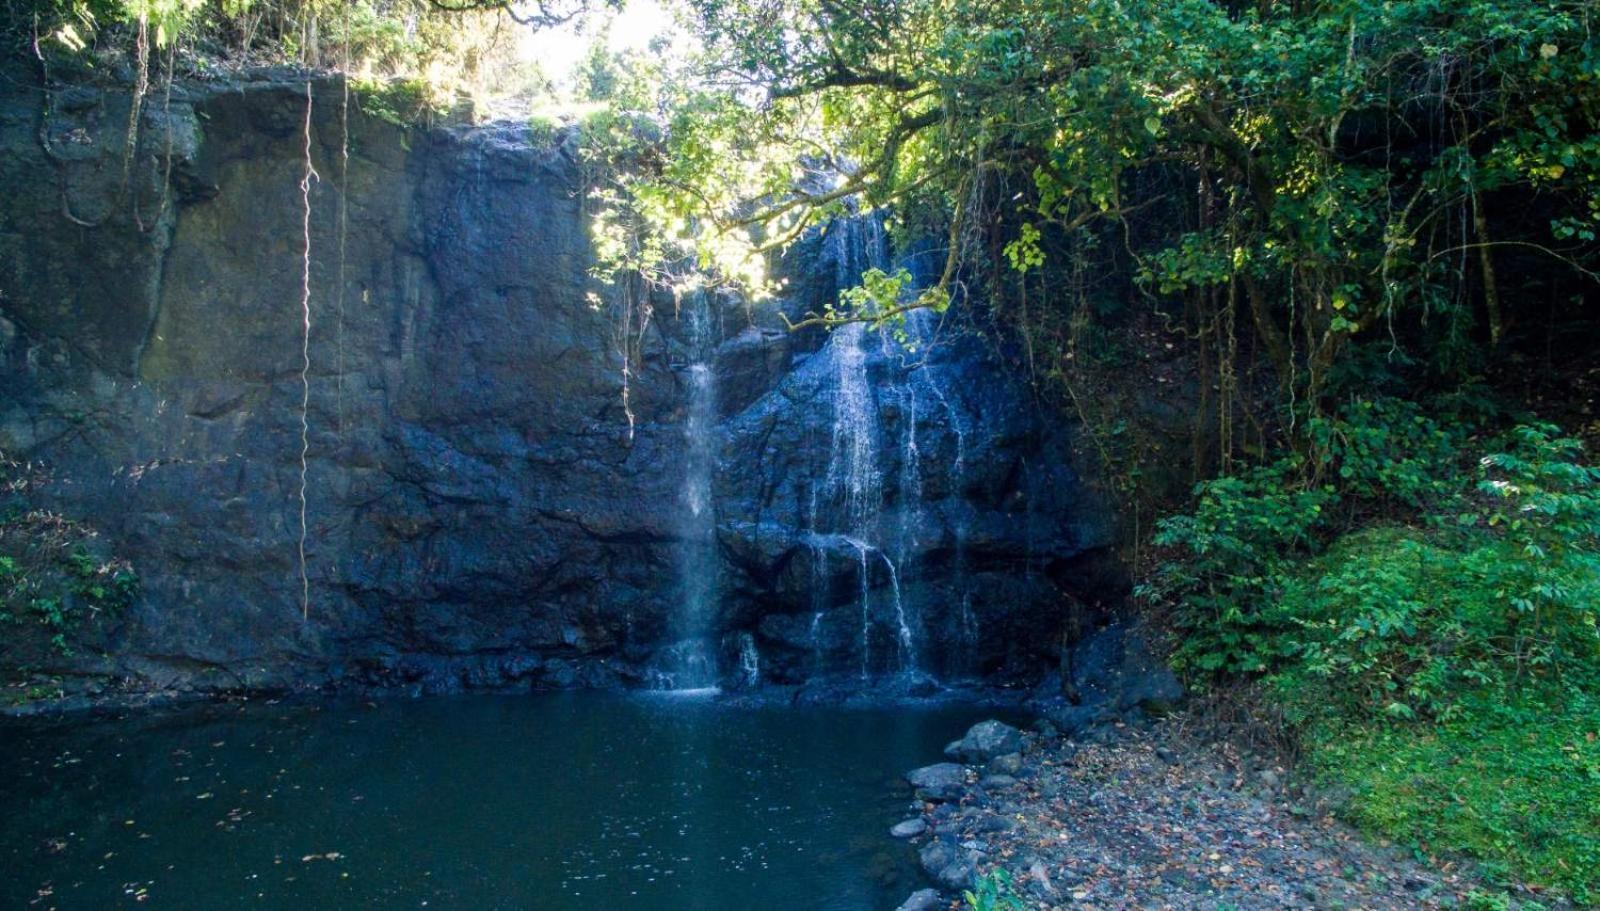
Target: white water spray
point(692, 662)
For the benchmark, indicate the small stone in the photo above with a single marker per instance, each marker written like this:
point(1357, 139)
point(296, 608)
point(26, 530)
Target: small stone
point(993, 824)
point(921, 900)
point(997, 782)
point(911, 828)
point(1007, 764)
point(1166, 756)
point(1039, 882)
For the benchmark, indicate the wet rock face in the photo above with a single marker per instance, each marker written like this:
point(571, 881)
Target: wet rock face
point(905, 507)
point(481, 507)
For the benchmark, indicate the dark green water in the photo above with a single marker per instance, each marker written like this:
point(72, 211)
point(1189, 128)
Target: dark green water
point(546, 802)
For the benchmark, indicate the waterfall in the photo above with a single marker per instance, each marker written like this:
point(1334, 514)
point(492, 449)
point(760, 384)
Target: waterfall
point(749, 660)
point(904, 639)
point(690, 663)
point(866, 610)
point(853, 463)
point(850, 506)
point(927, 375)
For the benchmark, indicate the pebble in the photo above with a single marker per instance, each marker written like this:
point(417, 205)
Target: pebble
point(922, 900)
point(911, 828)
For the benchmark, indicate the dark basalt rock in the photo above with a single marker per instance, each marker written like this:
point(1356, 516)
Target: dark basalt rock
point(1115, 672)
point(951, 866)
point(985, 741)
point(1007, 764)
point(944, 781)
point(484, 506)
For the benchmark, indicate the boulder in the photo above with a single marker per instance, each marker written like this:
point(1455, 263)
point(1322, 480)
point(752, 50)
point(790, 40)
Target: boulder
point(951, 866)
point(984, 741)
point(942, 781)
point(1006, 764)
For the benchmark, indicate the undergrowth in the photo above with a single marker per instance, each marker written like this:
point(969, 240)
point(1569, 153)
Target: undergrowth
point(1417, 593)
point(53, 580)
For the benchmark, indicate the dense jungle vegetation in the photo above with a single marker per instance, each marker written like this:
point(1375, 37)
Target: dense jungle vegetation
point(1354, 239)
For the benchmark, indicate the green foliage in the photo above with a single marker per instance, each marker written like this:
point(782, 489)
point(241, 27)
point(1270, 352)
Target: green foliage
point(51, 580)
point(1444, 659)
point(1237, 547)
point(542, 130)
point(879, 294)
point(1509, 781)
point(450, 49)
point(401, 102)
point(1496, 580)
point(57, 588)
point(1021, 127)
point(993, 891)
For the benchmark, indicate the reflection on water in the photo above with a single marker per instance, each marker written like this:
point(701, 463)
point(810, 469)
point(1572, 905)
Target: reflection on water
point(577, 801)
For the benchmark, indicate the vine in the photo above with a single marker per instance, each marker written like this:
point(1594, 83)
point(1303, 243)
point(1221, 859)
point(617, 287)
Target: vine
point(309, 175)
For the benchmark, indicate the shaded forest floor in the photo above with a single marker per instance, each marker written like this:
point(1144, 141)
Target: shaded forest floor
point(1146, 816)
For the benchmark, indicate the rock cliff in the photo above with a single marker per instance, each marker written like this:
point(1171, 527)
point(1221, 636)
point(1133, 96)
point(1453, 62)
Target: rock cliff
point(481, 507)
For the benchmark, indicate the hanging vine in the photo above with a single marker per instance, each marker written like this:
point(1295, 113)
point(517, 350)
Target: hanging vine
point(344, 211)
point(306, 179)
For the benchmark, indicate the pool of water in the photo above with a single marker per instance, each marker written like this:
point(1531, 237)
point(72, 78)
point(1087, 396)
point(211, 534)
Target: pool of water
point(565, 801)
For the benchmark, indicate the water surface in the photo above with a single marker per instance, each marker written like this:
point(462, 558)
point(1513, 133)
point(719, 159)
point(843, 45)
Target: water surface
point(564, 801)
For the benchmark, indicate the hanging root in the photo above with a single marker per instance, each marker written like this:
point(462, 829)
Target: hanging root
point(344, 207)
point(305, 352)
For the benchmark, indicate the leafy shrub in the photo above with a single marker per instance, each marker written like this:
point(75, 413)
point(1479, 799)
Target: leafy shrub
point(50, 578)
point(401, 102)
point(1403, 621)
point(1236, 546)
point(1496, 581)
point(1429, 620)
point(1388, 450)
point(993, 891)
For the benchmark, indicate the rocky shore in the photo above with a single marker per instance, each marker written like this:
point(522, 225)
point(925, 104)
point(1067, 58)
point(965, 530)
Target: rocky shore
point(1137, 815)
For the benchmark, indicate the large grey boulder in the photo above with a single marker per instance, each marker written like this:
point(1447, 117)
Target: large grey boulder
point(985, 741)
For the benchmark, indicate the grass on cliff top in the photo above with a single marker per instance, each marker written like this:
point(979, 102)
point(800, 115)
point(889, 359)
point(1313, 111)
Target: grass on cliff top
point(1512, 783)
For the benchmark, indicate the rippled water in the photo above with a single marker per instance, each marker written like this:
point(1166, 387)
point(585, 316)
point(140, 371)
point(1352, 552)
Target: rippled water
point(547, 802)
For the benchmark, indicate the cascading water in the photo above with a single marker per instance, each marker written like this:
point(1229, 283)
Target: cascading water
point(899, 421)
point(921, 329)
point(749, 661)
point(853, 465)
point(853, 487)
point(690, 662)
